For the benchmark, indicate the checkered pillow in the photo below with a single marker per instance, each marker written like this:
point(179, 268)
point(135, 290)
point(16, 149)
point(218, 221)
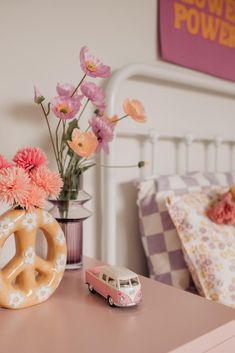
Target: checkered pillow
point(159, 236)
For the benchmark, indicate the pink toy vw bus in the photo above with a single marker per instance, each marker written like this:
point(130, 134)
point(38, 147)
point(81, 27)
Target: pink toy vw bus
point(120, 286)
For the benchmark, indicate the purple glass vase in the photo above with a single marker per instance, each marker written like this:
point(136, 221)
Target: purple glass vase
point(70, 214)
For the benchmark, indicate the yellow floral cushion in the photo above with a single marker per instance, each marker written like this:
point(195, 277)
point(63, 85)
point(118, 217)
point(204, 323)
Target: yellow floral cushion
point(209, 248)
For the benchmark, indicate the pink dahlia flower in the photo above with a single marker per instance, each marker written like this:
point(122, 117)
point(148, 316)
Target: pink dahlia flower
point(47, 180)
point(94, 93)
point(30, 158)
point(36, 197)
point(3, 162)
point(92, 66)
point(14, 186)
point(103, 131)
point(101, 109)
point(66, 107)
point(65, 89)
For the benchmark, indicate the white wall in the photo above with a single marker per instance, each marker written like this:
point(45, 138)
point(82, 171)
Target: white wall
point(40, 42)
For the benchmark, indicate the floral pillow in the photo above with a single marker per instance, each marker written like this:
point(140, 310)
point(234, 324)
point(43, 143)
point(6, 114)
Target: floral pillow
point(160, 240)
point(209, 248)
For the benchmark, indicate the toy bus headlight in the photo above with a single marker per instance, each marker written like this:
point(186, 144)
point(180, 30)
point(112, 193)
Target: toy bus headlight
point(121, 296)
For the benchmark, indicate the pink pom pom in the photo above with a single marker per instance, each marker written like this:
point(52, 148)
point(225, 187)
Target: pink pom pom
point(29, 158)
point(14, 186)
point(36, 197)
point(3, 162)
point(50, 182)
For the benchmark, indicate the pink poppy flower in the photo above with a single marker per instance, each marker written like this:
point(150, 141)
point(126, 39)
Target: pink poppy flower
point(101, 109)
point(103, 130)
point(38, 97)
point(92, 66)
point(94, 93)
point(65, 89)
point(47, 180)
point(4, 163)
point(14, 186)
point(84, 144)
point(30, 158)
point(66, 107)
point(135, 110)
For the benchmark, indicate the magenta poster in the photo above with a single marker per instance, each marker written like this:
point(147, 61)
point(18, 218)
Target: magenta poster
point(199, 34)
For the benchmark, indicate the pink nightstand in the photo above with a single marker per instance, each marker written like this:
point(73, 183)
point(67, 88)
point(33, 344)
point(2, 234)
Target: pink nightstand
point(74, 321)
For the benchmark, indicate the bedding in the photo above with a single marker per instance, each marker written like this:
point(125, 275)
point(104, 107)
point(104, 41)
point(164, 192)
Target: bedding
point(209, 247)
point(159, 236)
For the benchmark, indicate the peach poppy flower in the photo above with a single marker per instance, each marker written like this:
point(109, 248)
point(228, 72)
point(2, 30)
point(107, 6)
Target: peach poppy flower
point(135, 110)
point(113, 119)
point(83, 144)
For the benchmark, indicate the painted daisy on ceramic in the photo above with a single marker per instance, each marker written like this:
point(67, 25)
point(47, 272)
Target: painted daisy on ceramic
point(60, 263)
point(16, 299)
point(29, 256)
point(6, 227)
point(60, 238)
point(43, 293)
point(75, 148)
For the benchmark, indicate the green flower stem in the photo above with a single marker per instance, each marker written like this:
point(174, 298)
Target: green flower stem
point(66, 155)
point(57, 141)
point(123, 117)
point(83, 109)
point(62, 145)
point(50, 133)
point(48, 108)
point(70, 163)
point(107, 166)
point(78, 86)
point(118, 166)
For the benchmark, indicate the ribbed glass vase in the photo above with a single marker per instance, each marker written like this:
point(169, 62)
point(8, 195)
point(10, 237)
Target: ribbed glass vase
point(71, 214)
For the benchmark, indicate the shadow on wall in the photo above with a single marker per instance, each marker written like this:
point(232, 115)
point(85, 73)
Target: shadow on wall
point(129, 245)
point(27, 115)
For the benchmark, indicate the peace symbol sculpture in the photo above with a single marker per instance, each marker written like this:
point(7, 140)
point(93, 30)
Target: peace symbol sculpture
point(28, 279)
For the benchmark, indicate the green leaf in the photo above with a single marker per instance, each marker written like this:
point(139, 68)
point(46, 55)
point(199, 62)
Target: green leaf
point(71, 126)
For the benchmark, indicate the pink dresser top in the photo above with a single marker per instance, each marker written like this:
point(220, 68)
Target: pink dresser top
point(74, 321)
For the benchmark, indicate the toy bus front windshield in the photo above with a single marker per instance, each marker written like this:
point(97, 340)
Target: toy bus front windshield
point(130, 282)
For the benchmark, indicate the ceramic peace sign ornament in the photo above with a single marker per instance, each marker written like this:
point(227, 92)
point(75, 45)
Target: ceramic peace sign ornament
point(28, 279)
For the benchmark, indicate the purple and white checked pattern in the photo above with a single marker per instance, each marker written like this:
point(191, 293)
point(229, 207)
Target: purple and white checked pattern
point(160, 240)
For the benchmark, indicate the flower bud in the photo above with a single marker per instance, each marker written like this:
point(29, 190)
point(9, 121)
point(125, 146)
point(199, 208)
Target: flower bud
point(142, 164)
point(38, 97)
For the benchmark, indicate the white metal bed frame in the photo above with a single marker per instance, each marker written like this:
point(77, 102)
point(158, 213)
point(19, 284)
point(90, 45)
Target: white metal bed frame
point(160, 73)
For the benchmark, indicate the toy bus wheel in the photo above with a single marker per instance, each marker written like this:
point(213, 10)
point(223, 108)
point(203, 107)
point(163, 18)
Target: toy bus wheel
point(110, 301)
point(91, 289)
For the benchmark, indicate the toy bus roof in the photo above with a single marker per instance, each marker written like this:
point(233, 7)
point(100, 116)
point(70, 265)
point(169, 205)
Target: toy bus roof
point(119, 272)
